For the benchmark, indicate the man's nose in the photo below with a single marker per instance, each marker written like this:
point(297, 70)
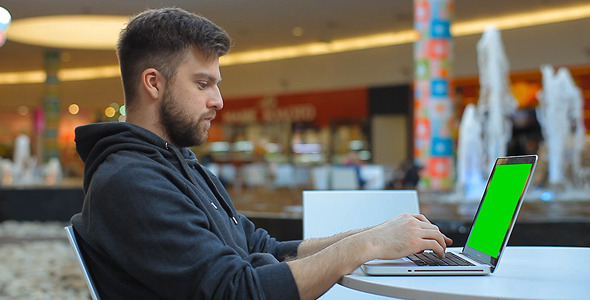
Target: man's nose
point(216, 101)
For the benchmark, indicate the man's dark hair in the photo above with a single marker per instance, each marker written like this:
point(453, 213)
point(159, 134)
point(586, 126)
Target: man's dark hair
point(159, 38)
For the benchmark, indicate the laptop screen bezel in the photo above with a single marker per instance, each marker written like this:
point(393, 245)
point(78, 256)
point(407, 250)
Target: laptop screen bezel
point(483, 257)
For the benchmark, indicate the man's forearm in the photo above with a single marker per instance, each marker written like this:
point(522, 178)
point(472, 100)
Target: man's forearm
point(316, 273)
point(312, 246)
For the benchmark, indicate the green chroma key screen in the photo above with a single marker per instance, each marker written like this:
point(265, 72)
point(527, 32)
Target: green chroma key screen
point(498, 207)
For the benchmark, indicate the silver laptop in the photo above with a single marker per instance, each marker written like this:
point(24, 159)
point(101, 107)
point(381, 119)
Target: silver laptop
point(492, 225)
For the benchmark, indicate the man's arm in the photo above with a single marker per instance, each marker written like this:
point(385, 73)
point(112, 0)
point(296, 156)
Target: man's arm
point(404, 235)
point(314, 245)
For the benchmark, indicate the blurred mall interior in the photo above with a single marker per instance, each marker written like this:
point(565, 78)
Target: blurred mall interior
point(294, 118)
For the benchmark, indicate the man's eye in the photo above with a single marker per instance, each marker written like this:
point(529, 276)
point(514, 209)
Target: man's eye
point(202, 84)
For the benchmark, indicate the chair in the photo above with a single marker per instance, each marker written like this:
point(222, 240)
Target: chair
point(72, 238)
point(326, 213)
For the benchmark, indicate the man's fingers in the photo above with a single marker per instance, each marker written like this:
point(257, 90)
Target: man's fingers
point(424, 225)
point(436, 248)
point(427, 225)
point(435, 236)
point(422, 218)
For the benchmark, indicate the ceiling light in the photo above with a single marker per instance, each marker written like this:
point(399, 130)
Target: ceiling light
point(74, 74)
point(5, 19)
point(22, 77)
point(365, 42)
point(70, 74)
point(99, 32)
point(522, 20)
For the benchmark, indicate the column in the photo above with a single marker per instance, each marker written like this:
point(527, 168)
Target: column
point(50, 107)
point(433, 107)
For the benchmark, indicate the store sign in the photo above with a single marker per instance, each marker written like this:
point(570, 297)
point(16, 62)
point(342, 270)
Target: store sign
point(292, 113)
point(317, 107)
point(240, 116)
point(268, 110)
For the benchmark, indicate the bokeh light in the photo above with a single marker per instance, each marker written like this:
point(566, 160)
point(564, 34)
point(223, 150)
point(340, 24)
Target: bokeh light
point(22, 110)
point(74, 109)
point(110, 112)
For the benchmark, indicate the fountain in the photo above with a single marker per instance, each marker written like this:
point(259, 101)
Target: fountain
point(485, 129)
point(24, 169)
point(496, 102)
point(484, 133)
point(560, 114)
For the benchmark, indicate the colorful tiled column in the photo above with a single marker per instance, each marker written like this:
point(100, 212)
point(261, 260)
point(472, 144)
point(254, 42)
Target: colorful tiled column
point(50, 107)
point(433, 107)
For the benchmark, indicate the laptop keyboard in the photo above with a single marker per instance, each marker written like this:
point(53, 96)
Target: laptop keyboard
point(431, 259)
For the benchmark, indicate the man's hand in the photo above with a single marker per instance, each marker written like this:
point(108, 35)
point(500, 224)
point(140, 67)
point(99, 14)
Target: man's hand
point(405, 235)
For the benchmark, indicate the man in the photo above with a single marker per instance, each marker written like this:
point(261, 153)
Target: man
point(156, 224)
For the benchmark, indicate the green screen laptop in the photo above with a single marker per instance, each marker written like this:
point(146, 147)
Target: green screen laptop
point(492, 225)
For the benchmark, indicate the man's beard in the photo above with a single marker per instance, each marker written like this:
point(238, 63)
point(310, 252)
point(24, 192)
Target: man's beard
point(178, 125)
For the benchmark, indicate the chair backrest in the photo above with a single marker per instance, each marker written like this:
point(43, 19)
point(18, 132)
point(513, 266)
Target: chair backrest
point(74, 243)
point(326, 213)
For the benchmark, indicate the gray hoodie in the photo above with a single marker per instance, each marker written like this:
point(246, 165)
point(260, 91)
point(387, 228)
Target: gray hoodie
point(155, 224)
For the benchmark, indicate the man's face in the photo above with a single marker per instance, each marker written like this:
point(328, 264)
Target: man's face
point(191, 100)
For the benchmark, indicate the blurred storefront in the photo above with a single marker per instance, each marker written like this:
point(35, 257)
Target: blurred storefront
point(357, 126)
point(268, 149)
point(303, 129)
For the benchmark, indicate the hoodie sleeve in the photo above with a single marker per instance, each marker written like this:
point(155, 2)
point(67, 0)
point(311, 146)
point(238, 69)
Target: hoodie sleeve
point(260, 241)
point(137, 215)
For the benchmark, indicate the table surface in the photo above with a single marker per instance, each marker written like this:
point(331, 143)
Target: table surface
point(523, 273)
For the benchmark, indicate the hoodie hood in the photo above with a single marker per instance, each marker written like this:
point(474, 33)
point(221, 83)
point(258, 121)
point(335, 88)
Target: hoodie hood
point(95, 142)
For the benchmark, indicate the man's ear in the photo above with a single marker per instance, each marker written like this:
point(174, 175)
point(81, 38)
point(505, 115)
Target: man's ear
point(153, 83)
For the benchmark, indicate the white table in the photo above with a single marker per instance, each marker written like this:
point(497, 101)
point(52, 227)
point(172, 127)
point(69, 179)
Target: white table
point(523, 273)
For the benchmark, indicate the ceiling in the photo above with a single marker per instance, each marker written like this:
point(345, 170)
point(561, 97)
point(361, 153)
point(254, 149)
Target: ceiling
point(253, 24)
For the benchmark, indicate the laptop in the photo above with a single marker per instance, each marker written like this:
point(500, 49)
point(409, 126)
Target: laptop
point(492, 225)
